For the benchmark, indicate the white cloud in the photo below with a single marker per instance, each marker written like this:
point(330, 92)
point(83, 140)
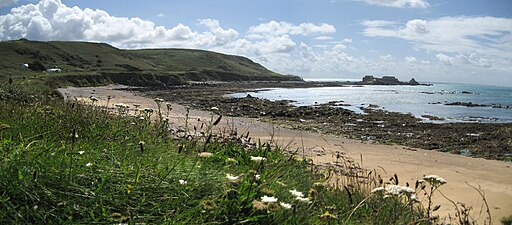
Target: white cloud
point(281, 28)
point(461, 59)
point(400, 3)
point(484, 35)
point(466, 42)
point(217, 35)
point(445, 59)
point(346, 40)
point(387, 57)
point(53, 20)
point(377, 23)
point(324, 38)
point(160, 15)
point(410, 59)
point(4, 3)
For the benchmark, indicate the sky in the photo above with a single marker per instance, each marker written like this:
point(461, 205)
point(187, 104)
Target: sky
point(462, 41)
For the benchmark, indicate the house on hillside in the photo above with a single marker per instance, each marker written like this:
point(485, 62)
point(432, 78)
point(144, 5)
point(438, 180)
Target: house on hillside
point(54, 70)
point(24, 66)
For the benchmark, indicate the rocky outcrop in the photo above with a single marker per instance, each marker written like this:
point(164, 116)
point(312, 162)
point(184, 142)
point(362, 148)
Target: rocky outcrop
point(386, 80)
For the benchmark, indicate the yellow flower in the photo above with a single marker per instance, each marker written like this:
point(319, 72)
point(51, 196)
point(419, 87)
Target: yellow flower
point(129, 189)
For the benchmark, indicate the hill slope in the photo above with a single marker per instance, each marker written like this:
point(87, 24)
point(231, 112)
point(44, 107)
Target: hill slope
point(118, 65)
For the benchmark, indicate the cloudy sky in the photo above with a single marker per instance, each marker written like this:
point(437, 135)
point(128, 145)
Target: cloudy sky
point(464, 41)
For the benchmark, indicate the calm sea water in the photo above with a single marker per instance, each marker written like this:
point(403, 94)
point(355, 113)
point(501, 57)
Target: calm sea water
point(417, 100)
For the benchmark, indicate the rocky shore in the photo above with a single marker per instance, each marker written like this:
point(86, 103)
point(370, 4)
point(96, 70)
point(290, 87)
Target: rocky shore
point(492, 141)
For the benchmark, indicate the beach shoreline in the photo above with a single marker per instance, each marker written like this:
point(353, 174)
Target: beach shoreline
point(485, 140)
point(494, 177)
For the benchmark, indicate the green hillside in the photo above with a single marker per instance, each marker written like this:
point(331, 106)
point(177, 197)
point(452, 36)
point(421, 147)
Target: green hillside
point(80, 60)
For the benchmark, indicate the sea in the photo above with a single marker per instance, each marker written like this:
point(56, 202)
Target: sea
point(495, 102)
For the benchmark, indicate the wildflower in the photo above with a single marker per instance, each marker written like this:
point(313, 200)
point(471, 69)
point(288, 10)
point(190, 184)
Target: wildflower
point(302, 199)
point(88, 164)
point(122, 105)
point(328, 216)
point(136, 105)
point(393, 189)
point(231, 160)
point(257, 158)
point(93, 99)
point(148, 110)
point(205, 154)
point(81, 152)
point(379, 190)
point(285, 205)
point(142, 118)
point(434, 180)
point(214, 108)
point(296, 193)
point(267, 199)
point(231, 177)
point(129, 189)
point(414, 198)
point(408, 190)
point(183, 182)
point(158, 100)
point(257, 176)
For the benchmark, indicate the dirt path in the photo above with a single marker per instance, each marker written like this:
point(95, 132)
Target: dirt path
point(494, 177)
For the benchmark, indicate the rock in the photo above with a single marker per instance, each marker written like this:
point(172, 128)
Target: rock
point(413, 82)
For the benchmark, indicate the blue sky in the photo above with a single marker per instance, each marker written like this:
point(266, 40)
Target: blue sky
point(465, 41)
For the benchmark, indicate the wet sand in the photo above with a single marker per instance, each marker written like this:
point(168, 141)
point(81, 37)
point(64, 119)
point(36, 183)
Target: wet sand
point(494, 177)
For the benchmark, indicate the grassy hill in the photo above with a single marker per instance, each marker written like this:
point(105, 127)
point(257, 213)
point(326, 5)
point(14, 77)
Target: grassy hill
point(79, 60)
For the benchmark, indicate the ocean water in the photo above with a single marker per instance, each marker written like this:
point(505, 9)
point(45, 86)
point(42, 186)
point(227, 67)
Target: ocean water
point(417, 100)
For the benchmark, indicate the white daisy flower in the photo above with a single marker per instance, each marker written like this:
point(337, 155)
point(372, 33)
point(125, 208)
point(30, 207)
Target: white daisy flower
point(285, 205)
point(268, 199)
point(296, 193)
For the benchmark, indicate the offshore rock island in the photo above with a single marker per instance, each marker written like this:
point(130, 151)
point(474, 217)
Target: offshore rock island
point(386, 80)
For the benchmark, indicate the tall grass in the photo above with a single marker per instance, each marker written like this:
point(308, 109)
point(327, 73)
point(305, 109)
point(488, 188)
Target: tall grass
point(71, 163)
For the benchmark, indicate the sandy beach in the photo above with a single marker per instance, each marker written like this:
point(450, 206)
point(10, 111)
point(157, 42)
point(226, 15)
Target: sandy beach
point(492, 176)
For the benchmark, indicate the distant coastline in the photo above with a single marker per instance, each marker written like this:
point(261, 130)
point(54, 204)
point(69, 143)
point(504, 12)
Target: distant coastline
point(369, 80)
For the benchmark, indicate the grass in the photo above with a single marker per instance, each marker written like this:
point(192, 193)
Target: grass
point(99, 63)
point(69, 163)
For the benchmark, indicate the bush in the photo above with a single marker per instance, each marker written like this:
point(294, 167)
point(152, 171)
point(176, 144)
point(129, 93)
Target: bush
point(37, 66)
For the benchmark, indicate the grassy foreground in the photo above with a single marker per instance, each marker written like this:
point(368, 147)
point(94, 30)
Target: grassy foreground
point(70, 163)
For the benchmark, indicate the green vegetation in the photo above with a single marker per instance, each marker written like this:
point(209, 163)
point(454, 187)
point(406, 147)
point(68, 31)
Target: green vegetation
point(63, 162)
point(506, 220)
point(85, 63)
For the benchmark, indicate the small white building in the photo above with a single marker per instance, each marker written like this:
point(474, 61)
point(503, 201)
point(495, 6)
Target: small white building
point(24, 66)
point(54, 70)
